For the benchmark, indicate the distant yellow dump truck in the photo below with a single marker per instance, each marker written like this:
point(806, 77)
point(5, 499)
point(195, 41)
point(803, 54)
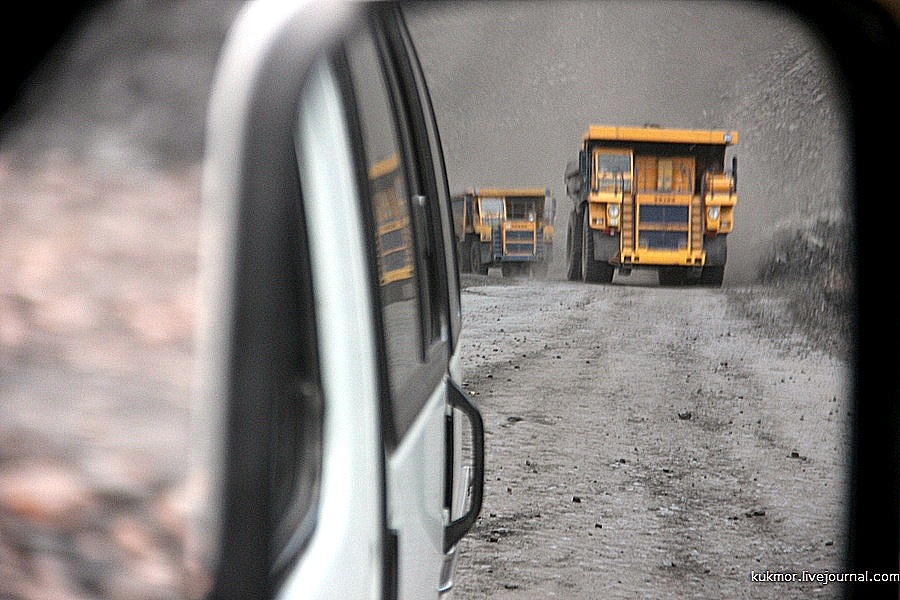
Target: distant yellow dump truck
point(392, 220)
point(650, 197)
point(507, 227)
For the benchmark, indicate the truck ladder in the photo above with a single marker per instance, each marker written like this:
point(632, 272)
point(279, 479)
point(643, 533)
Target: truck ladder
point(696, 224)
point(628, 223)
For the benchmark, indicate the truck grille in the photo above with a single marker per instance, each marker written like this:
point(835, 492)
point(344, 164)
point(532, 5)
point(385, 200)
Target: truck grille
point(663, 227)
point(519, 242)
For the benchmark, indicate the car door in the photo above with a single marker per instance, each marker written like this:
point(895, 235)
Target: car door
point(414, 276)
point(326, 365)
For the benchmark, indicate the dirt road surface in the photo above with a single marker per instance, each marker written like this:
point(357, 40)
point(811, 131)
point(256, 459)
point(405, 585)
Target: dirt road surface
point(650, 442)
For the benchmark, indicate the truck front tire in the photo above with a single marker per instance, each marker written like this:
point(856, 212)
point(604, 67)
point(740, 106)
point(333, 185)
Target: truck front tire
point(573, 247)
point(713, 271)
point(475, 258)
point(592, 270)
point(712, 276)
point(465, 256)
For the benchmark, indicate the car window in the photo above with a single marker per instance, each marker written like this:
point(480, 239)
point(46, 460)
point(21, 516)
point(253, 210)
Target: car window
point(388, 183)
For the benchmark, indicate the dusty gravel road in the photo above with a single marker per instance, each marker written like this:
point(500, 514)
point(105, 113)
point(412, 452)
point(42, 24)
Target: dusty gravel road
point(650, 442)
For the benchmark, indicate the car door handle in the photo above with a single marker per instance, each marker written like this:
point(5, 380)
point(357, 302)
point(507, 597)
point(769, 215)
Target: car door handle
point(457, 529)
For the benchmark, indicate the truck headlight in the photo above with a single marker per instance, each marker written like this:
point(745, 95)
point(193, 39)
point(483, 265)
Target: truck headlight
point(612, 210)
point(713, 213)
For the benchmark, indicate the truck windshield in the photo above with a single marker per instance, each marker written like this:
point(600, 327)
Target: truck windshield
point(492, 210)
point(521, 209)
point(612, 171)
point(613, 163)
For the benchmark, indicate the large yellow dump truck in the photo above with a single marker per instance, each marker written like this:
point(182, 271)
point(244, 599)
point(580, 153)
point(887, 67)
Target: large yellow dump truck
point(507, 227)
point(650, 197)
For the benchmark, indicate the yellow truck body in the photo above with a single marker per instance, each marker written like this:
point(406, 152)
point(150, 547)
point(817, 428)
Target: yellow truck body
point(651, 197)
point(509, 227)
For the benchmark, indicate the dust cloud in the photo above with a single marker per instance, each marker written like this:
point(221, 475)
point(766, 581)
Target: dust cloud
point(515, 84)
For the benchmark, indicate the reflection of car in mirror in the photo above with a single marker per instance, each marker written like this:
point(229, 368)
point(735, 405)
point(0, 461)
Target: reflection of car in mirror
point(352, 464)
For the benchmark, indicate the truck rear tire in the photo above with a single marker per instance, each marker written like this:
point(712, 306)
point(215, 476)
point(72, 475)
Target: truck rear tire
point(592, 270)
point(573, 248)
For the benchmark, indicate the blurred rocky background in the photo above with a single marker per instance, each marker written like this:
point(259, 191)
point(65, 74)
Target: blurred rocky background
point(99, 216)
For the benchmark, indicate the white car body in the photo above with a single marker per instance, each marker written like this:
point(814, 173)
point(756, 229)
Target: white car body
point(376, 500)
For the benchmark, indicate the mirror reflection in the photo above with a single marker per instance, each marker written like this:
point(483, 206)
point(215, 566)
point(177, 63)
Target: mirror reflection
point(642, 435)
